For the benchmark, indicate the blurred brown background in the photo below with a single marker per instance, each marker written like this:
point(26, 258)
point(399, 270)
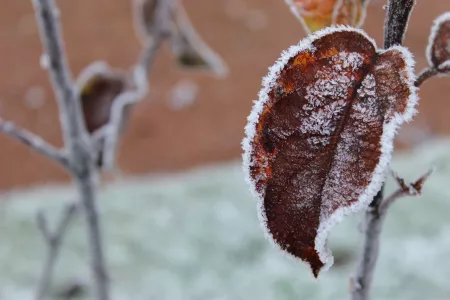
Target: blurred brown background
point(249, 34)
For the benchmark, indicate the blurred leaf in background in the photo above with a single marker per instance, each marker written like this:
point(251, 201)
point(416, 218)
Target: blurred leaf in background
point(317, 14)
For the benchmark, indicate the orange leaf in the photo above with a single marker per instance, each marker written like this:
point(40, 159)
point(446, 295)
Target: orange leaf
point(318, 14)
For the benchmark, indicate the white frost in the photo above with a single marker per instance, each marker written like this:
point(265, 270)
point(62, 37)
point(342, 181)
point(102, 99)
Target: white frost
point(379, 175)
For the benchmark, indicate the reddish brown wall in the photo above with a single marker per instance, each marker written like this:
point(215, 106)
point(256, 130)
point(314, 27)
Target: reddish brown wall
point(249, 34)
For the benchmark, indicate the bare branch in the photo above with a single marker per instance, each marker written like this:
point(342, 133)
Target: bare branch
point(426, 74)
point(412, 189)
point(148, 55)
point(86, 186)
point(397, 17)
point(164, 19)
point(162, 31)
point(112, 129)
point(47, 15)
point(362, 280)
point(42, 225)
point(375, 216)
point(35, 142)
point(75, 136)
point(54, 242)
point(396, 22)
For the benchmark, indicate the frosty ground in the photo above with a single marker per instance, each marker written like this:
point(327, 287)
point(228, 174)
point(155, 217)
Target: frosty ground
point(196, 236)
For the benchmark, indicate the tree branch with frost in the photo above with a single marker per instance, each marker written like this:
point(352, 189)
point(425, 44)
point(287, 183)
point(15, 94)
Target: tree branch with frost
point(53, 242)
point(35, 142)
point(426, 74)
point(76, 138)
point(373, 226)
point(396, 23)
point(412, 189)
point(47, 15)
point(161, 31)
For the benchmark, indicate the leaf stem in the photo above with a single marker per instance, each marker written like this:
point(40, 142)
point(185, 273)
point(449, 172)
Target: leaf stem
point(426, 74)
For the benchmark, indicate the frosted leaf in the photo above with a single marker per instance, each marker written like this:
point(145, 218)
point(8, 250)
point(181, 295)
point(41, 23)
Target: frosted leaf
point(191, 51)
point(438, 49)
point(100, 86)
point(318, 14)
point(320, 137)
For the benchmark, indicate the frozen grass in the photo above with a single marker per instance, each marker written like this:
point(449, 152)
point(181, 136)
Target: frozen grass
point(195, 236)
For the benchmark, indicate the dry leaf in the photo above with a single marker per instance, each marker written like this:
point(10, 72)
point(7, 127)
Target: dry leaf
point(438, 50)
point(318, 14)
point(320, 137)
point(191, 51)
point(99, 87)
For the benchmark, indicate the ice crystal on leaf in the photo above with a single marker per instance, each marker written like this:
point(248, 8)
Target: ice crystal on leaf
point(318, 14)
point(320, 137)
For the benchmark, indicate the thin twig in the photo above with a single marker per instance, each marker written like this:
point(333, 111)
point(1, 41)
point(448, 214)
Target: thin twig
point(362, 280)
point(54, 241)
point(47, 15)
point(426, 74)
point(164, 15)
point(396, 22)
point(148, 55)
point(374, 218)
point(77, 140)
point(412, 189)
point(35, 142)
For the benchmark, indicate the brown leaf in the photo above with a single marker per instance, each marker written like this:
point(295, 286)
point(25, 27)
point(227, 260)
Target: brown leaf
point(320, 137)
point(438, 50)
point(99, 87)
